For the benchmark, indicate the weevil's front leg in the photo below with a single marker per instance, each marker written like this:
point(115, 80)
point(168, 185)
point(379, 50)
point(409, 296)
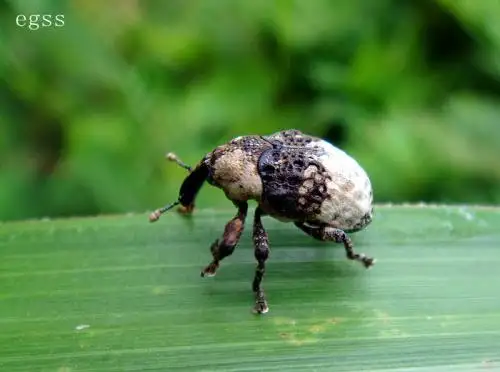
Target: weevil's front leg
point(328, 233)
point(261, 245)
point(225, 246)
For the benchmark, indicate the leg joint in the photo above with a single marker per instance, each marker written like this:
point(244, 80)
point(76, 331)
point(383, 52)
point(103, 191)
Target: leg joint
point(261, 253)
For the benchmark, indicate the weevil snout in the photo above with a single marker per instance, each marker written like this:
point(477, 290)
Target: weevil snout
point(189, 188)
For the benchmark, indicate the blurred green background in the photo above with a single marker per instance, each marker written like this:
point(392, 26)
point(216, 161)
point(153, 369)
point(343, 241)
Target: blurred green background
point(87, 111)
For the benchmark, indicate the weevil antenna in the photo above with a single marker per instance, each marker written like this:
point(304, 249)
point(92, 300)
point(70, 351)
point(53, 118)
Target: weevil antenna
point(173, 157)
point(155, 216)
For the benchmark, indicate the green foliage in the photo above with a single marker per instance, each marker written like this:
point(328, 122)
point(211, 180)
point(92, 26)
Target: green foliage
point(87, 111)
point(118, 294)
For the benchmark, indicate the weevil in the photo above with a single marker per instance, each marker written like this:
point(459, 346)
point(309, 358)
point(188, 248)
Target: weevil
point(294, 177)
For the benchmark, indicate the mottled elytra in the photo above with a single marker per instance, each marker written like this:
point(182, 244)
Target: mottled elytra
point(293, 177)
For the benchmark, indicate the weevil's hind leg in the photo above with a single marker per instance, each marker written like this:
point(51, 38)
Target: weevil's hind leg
point(327, 233)
point(225, 246)
point(261, 246)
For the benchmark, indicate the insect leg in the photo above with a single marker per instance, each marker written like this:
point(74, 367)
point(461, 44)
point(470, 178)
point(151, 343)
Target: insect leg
point(225, 246)
point(327, 233)
point(261, 245)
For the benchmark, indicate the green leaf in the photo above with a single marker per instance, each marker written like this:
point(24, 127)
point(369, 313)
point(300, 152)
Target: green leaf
point(120, 294)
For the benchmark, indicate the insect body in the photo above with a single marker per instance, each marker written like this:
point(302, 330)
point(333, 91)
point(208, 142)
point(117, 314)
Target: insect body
point(293, 177)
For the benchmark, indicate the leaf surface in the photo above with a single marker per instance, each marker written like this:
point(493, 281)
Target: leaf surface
point(120, 294)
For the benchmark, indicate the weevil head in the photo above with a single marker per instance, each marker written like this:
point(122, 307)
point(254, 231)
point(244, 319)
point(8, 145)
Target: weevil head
point(233, 168)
